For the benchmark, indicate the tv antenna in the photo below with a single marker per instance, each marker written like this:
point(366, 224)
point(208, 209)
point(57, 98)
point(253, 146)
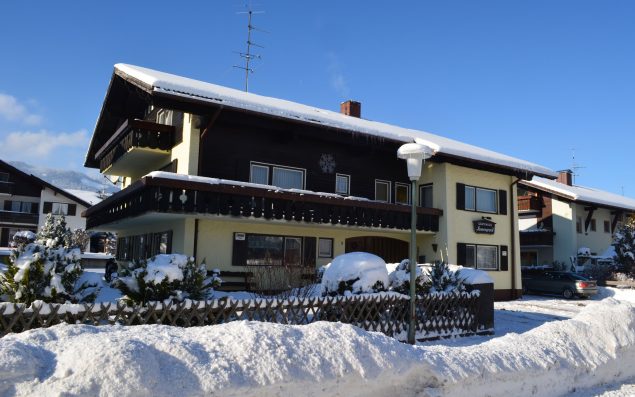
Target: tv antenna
point(574, 165)
point(248, 56)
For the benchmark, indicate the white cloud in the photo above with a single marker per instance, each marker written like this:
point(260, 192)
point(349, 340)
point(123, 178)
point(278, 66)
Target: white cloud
point(12, 110)
point(27, 144)
point(337, 79)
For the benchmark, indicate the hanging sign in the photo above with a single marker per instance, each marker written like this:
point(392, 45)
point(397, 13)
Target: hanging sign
point(484, 226)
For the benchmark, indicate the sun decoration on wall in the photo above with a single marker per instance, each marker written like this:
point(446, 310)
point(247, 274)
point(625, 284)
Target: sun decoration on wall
point(327, 163)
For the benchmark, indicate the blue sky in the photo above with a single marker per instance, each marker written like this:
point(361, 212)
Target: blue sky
point(532, 79)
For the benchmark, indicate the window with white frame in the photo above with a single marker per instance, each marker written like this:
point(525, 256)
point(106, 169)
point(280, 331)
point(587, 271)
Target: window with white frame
point(425, 196)
point(382, 190)
point(402, 193)
point(342, 184)
point(325, 247)
point(280, 176)
point(480, 199)
point(164, 116)
point(60, 209)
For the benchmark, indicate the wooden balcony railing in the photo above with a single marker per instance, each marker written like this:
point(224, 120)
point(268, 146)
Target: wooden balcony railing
point(529, 203)
point(156, 194)
point(18, 217)
point(544, 237)
point(131, 134)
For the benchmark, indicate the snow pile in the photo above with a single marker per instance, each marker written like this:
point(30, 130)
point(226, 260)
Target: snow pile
point(321, 359)
point(26, 234)
point(165, 276)
point(355, 273)
point(472, 276)
point(584, 251)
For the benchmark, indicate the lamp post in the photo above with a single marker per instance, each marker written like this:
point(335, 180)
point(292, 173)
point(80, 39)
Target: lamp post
point(415, 155)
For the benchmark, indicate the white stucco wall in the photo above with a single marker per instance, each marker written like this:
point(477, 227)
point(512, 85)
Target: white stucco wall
point(73, 222)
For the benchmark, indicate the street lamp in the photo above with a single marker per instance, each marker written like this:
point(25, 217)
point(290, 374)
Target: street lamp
point(415, 155)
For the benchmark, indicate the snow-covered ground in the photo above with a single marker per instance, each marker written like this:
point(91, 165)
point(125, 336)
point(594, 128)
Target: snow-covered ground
point(544, 346)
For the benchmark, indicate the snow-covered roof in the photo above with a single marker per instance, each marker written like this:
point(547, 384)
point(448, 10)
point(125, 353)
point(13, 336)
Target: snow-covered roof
point(166, 83)
point(88, 196)
point(581, 193)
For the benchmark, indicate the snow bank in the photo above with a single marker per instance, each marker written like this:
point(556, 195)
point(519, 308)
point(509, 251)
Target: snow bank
point(322, 359)
point(362, 269)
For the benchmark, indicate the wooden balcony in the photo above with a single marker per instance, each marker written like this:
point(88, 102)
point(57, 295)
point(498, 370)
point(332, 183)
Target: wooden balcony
point(224, 198)
point(529, 203)
point(136, 144)
point(536, 238)
point(6, 188)
point(24, 218)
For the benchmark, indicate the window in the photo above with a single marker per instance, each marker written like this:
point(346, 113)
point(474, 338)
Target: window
point(528, 258)
point(144, 246)
point(578, 225)
point(4, 177)
point(60, 209)
point(402, 193)
point(325, 247)
point(259, 174)
point(342, 184)
point(479, 199)
point(382, 191)
point(266, 250)
point(425, 196)
point(484, 257)
point(164, 116)
point(21, 206)
point(607, 227)
point(593, 225)
point(282, 177)
point(16, 206)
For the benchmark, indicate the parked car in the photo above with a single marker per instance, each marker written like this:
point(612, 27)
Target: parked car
point(566, 284)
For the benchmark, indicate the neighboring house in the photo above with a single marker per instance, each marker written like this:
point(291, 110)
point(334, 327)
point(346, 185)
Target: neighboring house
point(25, 200)
point(240, 179)
point(558, 220)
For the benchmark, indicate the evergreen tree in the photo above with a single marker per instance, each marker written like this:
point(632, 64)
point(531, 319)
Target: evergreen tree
point(624, 242)
point(54, 232)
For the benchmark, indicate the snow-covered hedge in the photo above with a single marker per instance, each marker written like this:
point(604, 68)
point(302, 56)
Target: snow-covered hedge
point(400, 279)
point(355, 273)
point(41, 272)
point(624, 243)
point(162, 277)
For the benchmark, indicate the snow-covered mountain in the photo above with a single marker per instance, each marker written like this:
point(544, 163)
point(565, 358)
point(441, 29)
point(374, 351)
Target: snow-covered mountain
point(67, 179)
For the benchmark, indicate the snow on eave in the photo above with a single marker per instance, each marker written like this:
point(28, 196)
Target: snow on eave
point(161, 82)
point(582, 193)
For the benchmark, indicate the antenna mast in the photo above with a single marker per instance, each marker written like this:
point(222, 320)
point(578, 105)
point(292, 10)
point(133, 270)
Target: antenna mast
point(574, 166)
point(248, 56)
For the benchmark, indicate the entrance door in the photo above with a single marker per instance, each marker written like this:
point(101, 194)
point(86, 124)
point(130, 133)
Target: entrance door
point(389, 249)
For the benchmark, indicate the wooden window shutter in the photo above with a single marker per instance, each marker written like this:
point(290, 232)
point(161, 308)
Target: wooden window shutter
point(502, 202)
point(504, 261)
point(72, 209)
point(7, 205)
point(239, 254)
point(309, 251)
point(47, 208)
point(4, 237)
point(460, 196)
point(35, 207)
point(461, 254)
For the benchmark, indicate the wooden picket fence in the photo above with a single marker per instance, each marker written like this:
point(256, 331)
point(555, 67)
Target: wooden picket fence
point(438, 315)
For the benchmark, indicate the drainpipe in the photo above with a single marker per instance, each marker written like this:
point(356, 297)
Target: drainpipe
point(513, 236)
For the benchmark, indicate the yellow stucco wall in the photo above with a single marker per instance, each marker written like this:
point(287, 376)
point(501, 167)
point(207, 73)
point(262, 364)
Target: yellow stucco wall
point(598, 241)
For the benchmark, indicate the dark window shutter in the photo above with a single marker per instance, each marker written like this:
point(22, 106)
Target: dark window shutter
point(502, 202)
point(7, 207)
point(4, 237)
point(309, 251)
point(47, 208)
point(504, 258)
point(35, 208)
point(460, 196)
point(72, 209)
point(460, 254)
point(239, 254)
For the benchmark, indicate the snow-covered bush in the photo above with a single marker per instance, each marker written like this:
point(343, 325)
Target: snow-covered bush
point(355, 273)
point(78, 238)
point(442, 279)
point(54, 232)
point(400, 279)
point(22, 238)
point(166, 276)
point(624, 243)
point(584, 251)
point(40, 272)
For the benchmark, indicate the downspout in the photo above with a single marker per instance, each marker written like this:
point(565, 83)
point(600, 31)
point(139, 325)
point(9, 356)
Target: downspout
point(513, 236)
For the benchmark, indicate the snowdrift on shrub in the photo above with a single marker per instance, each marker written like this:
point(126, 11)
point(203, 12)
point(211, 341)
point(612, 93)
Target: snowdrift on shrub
point(321, 359)
point(355, 273)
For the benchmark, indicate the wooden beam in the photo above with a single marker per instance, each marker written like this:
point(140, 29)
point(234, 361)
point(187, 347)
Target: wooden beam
point(211, 122)
point(589, 216)
point(616, 217)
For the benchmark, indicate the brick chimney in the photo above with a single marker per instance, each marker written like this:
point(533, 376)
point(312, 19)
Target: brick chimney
point(351, 108)
point(565, 177)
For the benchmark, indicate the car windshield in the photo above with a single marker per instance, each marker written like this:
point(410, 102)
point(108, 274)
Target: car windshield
point(578, 277)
